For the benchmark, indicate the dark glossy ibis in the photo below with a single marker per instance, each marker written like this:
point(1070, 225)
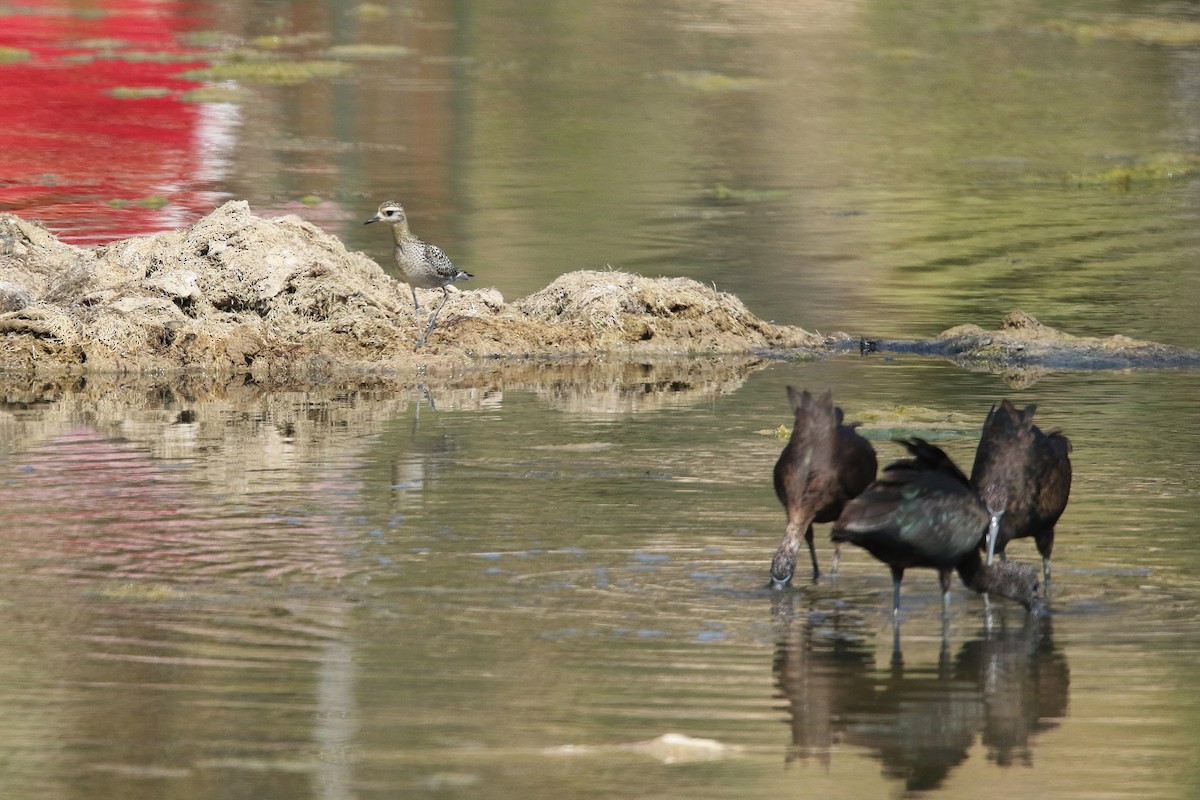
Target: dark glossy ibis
point(825, 464)
point(924, 512)
point(1033, 468)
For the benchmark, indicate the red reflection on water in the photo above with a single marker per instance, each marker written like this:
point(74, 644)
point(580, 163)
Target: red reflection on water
point(88, 507)
point(68, 147)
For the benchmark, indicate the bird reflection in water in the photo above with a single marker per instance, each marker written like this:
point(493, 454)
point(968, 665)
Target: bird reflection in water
point(1001, 688)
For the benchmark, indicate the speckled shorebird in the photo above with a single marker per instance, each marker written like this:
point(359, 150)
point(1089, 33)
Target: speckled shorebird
point(424, 265)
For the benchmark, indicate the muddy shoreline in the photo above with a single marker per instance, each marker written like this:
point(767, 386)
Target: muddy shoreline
point(283, 302)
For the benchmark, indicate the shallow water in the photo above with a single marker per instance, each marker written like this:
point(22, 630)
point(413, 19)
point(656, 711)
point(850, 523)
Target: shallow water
point(514, 582)
point(344, 593)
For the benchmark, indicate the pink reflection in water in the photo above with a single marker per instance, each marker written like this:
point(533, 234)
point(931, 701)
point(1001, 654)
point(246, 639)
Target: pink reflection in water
point(69, 148)
point(89, 507)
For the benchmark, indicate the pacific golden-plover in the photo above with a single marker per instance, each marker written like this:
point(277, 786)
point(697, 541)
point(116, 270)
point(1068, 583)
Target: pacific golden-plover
point(424, 265)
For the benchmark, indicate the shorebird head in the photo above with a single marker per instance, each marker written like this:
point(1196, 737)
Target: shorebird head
point(391, 212)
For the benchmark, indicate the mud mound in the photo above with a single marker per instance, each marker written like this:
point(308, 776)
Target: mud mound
point(1023, 341)
point(276, 298)
point(223, 294)
point(1023, 349)
point(285, 302)
point(617, 310)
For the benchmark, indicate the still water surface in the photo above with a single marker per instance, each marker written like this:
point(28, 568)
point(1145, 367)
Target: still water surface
point(345, 593)
point(507, 585)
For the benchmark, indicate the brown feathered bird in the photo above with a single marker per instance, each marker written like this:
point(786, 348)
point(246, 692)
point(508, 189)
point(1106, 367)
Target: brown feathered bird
point(1032, 468)
point(924, 512)
point(824, 465)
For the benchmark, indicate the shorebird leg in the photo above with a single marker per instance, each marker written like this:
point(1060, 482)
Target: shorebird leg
point(433, 319)
point(417, 315)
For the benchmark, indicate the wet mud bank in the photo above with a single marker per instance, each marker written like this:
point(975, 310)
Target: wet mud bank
point(1022, 344)
point(282, 301)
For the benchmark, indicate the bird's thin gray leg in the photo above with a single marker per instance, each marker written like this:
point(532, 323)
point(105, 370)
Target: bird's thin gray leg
point(417, 315)
point(897, 576)
point(433, 319)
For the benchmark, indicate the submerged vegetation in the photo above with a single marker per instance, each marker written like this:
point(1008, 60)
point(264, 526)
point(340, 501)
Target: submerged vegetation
point(723, 192)
point(704, 81)
point(276, 41)
point(264, 71)
point(902, 421)
point(1166, 32)
point(215, 94)
point(355, 52)
point(1159, 169)
point(108, 52)
point(154, 201)
point(1122, 172)
point(138, 92)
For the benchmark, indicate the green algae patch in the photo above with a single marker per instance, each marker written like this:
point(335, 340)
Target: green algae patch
point(1162, 169)
point(208, 40)
point(138, 591)
point(263, 71)
point(901, 422)
point(138, 92)
point(13, 55)
point(215, 94)
point(367, 52)
point(723, 192)
point(278, 42)
point(1122, 174)
point(1163, 32)
point(782, 433)
point(152, 202)
point(135, 57)
point(704, 81)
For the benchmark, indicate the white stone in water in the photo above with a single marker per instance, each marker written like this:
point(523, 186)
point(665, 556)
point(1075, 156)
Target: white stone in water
point(676, 748)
